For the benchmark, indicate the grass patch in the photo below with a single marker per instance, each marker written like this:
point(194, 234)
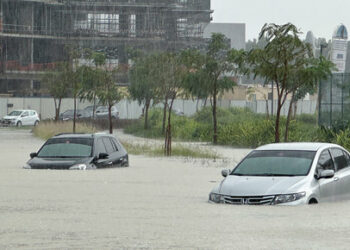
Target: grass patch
point(47, 129)
point(177, 150)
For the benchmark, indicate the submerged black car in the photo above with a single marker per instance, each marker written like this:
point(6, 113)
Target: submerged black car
point(79, 152)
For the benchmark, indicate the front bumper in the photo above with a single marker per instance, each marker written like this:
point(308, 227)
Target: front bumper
point(253, 200)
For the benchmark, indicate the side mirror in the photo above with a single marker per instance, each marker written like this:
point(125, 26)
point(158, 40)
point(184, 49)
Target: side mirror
point(225, 172)
point(33, 155)
point(103, 156)
point(326, 174)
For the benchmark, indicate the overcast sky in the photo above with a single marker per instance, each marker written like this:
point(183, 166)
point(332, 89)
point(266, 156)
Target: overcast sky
point(319, 16)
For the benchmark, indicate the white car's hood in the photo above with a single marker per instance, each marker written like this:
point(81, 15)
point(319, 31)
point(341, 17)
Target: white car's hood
point(10, 117)
point(260, 185)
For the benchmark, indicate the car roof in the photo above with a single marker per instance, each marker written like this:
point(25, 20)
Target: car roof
point(81, 135)
point(307, 146)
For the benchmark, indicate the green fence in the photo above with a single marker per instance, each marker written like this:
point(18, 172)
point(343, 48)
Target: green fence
point(334, 100)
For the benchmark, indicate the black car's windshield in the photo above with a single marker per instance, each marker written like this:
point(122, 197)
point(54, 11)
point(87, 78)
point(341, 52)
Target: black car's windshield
point(67, 148)
point(276, 163)
point(15, 113)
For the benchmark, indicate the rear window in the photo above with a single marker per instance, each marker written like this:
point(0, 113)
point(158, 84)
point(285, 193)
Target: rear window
point(67, 148)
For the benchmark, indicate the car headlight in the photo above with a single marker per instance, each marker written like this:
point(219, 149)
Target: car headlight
point(284, 198)
point(27, 166)
point(215, 197)
point(78, 167)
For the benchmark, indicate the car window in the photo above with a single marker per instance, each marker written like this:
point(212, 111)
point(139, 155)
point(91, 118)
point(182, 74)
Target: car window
point(325, 161)
point(276, 163)
point(66, 147)
point(115, 144)
point(109, 146)
point(100, 147)
point(25, 113)
point(339, 158)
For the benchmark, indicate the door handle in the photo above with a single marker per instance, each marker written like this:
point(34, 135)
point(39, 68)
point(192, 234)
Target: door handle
point(336, 179)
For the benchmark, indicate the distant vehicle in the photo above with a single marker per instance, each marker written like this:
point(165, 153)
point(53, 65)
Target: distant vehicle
point(102, 112)
point(79, 152)
point(287, 174)
point(90, 110)
point(21, 118)
point(69, 114)
point(178, 112)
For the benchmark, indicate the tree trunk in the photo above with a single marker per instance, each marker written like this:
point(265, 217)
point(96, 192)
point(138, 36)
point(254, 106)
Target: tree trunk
point(146, 113)
point(286, 132)
point(58, 109)
point(110, 119)
point(75, 113)
point(94, 108)
point(277, 123)
point(164, 115)
point(168, 134)
point(215, 135)
point(56, 116)
point(295, 110)
point(267, 109)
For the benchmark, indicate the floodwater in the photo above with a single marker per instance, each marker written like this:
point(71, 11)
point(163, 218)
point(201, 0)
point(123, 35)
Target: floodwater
point(154, 204)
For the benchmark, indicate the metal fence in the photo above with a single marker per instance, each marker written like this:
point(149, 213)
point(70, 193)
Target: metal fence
point(334, 100)
point(132, 110)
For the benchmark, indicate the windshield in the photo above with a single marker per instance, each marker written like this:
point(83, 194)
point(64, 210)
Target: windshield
point(15, 113)
point(67, 148)
point(276, 163)
point(102, 109)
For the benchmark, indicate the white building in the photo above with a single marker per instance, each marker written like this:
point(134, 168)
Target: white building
point(339, 46)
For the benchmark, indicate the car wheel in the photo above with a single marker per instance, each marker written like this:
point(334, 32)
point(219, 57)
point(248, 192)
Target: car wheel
point(36, 123)
point(313, 201)
point(19, 124)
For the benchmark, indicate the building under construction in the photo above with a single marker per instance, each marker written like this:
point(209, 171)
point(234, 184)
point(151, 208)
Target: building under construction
point(34, 33)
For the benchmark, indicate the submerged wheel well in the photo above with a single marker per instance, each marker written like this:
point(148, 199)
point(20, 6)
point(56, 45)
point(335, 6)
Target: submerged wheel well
point(313, 201)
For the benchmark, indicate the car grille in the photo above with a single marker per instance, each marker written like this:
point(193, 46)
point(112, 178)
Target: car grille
point(249, 200)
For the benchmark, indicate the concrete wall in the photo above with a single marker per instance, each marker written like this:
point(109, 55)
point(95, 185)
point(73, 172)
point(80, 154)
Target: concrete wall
point(132, 110)
point(234, 31)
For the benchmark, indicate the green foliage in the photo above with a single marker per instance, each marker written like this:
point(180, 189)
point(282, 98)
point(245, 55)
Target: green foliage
point(238, 127)
point(47, 129)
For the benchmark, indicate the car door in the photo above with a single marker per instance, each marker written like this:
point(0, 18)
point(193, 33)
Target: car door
point(342, 176)
point(32, 118)
point(25, 118)
point(327, 185)
point(111, 150)
point(100, 148)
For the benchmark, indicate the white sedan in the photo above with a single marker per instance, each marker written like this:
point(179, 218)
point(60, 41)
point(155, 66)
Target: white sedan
point(287, 173)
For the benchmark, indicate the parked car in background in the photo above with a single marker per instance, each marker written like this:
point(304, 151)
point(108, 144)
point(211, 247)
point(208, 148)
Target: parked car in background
point(288, 174)
point(102, 112)
point(79, 152)
point(90, 110)
point(69, 114)
point(21, 118)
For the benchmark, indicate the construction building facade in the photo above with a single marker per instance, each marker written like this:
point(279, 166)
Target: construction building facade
point(35, 33)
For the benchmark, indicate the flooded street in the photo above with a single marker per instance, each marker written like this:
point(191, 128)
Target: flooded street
point(154, 204)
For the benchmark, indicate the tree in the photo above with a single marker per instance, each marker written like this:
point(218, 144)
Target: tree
point(108, 94)
point(74, 75)
point(90, 78)
point(281, 59)
point(304, 80)
point(143, 83)
point(208, 75)
point(57, 84)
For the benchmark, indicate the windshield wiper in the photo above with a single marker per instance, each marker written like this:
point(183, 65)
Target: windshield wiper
point(270, 174)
